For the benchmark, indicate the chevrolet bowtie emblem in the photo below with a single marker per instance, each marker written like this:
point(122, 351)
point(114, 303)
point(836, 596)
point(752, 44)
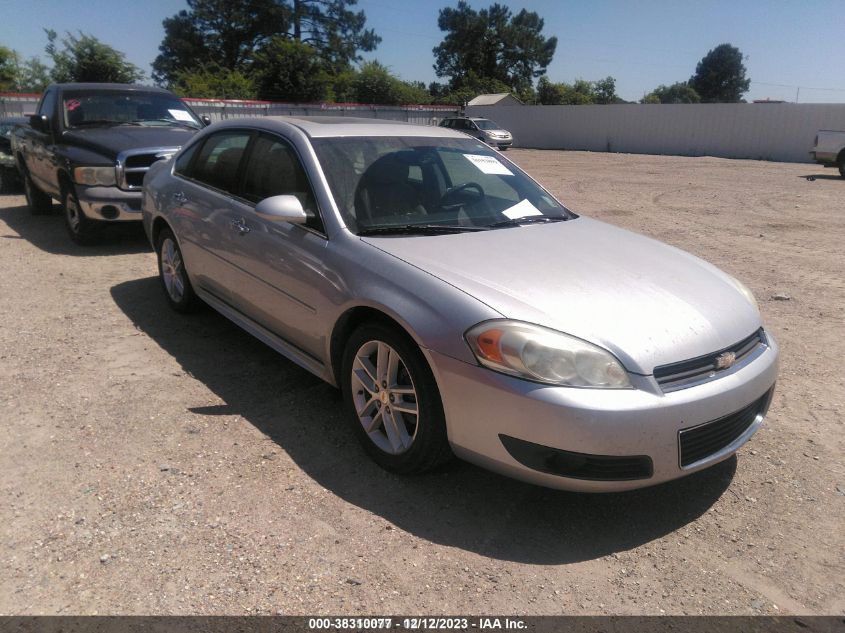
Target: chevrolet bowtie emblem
point(725, 360)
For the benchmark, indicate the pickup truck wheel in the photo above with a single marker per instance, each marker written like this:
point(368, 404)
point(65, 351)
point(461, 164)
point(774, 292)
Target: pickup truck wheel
point(842, 169)
point(174, 278)
point(81, 230)
point(39, 203)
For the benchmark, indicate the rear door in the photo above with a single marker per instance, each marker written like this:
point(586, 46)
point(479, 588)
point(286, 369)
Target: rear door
point(203, 201)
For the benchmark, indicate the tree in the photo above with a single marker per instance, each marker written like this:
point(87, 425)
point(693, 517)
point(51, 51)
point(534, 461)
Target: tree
point(231, 32)
point(331, 28)
point(679, 92)
point(720, 76)
point(492, 43)
point(214, 83)
point(582, 92)
point(287, 70)
point(7, 68)
point(375, 84)
point(21, 76)
point(605, 91)
point(85, 58)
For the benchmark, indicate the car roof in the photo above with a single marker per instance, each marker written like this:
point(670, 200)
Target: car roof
point(112, 87)
point(340, 126)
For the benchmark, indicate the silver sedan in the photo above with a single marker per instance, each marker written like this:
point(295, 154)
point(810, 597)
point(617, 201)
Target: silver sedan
point(458, 305)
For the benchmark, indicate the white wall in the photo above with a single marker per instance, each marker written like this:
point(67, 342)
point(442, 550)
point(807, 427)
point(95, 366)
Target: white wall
point(768, 131)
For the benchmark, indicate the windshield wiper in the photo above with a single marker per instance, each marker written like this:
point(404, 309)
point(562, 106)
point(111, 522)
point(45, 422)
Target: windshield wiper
point(527, 219)
point(419, 229)
point(188, 124)
point(97, 122)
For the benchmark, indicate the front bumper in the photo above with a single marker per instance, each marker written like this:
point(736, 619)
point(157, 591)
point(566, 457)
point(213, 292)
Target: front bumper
point(499, 142)
point(109, 204)
point(482, 407)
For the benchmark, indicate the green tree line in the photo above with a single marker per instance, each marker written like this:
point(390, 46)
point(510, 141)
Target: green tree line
point(311, 51)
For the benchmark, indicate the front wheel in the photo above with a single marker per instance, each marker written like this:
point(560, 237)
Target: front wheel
point(81, 230)
point(392, 401)
point(174, 278)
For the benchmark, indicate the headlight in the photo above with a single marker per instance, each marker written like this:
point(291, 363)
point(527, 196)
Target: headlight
point(746, 292)
point(537, 353)
point(101, 176)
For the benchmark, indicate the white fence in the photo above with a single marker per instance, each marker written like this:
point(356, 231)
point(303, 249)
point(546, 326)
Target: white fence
point(16, 105)
point(766, 131)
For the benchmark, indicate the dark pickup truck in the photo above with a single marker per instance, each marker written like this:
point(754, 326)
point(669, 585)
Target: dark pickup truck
point(89, 146)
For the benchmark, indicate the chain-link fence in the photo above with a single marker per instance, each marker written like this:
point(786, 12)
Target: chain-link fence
point(19, 104)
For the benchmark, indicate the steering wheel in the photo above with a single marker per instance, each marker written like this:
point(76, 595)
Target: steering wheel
point(454, 191)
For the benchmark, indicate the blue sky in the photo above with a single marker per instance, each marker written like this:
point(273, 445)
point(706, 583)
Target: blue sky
point(641, 43)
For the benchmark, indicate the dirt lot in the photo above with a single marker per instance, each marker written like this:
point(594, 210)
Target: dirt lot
point(155, 463)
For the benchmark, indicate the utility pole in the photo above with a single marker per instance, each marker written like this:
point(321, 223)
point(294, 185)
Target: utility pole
point(797, 92)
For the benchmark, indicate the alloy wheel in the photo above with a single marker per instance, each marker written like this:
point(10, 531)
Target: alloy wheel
point(172, 270)
point(384, 396)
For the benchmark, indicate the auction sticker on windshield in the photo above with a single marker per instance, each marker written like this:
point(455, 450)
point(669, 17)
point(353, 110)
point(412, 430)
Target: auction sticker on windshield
point(521, 210)
point(488, 164)
point(181, 115)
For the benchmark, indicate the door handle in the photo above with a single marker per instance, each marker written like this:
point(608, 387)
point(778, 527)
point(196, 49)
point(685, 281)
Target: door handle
point(180, 197)
point(240, 226)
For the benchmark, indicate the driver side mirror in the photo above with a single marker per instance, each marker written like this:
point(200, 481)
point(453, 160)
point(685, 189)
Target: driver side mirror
point(40, 122)
point(281, 209)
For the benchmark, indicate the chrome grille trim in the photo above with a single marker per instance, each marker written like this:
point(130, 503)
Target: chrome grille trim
point(694, 371)
point(144, 155)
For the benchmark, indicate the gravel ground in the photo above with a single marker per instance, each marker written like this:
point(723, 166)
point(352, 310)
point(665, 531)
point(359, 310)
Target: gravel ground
point(160, 464)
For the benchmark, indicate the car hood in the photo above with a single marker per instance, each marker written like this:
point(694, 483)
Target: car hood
point(110, 141)
point(648, 303)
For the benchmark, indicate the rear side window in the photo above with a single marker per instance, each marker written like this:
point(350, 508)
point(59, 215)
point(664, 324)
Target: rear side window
point(218, 161)
point(273, 169)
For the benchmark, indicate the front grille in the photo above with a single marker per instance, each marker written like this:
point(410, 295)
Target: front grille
point(134, 164)
point(706, 439)
point(578, 465)
point(697, 370)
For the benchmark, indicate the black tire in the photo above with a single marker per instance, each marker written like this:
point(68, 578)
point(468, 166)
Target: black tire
point(39, 203)
point(186, 299)
point(82, 230)
point(429, 445)
point(842, 169)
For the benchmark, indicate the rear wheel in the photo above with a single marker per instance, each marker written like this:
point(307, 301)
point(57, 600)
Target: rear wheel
point(39, 203)
point(392, 401)
point(174, 278)
point(81, 230)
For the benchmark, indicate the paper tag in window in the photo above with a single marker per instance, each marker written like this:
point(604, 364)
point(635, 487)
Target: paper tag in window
point(181, 115)
point(521, 210)
point(488, 164)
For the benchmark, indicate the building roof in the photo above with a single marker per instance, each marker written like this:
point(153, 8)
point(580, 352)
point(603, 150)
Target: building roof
point(493, 99)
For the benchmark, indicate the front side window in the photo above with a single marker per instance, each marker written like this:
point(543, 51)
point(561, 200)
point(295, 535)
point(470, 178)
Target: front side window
point(102, 108)
point(273, 169)
point(382, 182)
point(48, 103)
point(218, 160)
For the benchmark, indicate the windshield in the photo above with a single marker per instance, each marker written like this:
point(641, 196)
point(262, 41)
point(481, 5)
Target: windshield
point(487, 124)
point(134, 108)
point(384, 182)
